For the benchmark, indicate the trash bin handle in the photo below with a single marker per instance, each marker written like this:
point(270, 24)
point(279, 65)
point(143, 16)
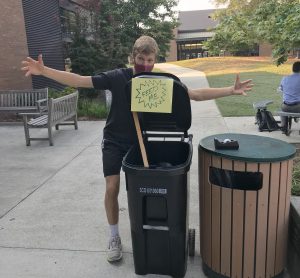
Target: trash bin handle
point(158, 228)
point(236, 179)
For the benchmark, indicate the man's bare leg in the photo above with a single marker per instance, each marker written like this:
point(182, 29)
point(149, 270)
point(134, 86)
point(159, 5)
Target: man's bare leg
point(114, 251)
point(111, 199)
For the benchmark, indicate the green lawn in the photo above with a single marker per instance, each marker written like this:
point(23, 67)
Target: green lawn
point(265, 88)
point(221, 71)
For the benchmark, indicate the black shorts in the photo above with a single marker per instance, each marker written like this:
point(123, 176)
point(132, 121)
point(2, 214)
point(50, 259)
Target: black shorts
point(112, 156)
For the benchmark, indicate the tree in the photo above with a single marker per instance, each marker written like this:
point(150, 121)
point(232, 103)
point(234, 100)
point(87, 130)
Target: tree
point(234, 33)
point(278, 22)
point(116, 24)
point(155, 18)
point(110, 34)
point(274, 21)
point(85, 56)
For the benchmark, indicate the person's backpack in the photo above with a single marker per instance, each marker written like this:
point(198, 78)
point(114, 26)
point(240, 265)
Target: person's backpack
point(266, 121)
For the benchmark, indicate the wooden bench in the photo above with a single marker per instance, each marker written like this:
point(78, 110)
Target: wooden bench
point(17, 101)
point(262, 105)
point(290, 116)
point(61, 111)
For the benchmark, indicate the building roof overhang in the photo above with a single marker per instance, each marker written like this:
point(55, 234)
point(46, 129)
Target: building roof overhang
point(192, 20)
point(193, 36)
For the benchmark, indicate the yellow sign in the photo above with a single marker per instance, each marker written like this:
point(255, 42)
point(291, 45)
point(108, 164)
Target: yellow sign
point(151, 95)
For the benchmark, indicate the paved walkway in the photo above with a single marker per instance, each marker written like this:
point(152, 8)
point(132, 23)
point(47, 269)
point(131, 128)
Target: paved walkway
point(52, 218)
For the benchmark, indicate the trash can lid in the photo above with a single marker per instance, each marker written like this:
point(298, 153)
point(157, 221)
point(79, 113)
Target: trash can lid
point(252, 148)
point(179, 120)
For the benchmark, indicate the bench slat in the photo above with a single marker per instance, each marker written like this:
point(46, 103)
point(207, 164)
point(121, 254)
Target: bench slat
point(287, 114)
point(40, 121)
point(18, 109)
point(24, 100)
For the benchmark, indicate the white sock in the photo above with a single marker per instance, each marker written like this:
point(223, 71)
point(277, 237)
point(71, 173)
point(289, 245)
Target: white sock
point(114, 230)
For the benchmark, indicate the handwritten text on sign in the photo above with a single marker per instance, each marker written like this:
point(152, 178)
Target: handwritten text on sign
point(151, 95)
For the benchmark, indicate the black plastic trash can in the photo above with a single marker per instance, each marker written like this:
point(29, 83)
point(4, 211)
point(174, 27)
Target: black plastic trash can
point(158, 195)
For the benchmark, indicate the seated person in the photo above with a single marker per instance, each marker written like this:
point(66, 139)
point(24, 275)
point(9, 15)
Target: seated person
point(290, 87)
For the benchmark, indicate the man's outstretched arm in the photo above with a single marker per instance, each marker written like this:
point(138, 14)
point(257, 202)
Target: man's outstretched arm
point(33, 67)
point(239, 88)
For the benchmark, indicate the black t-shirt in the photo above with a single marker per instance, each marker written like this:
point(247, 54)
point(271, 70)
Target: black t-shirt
point(119, 124)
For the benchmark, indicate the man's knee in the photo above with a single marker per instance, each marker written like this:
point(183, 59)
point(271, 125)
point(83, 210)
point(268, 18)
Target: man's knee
point(112, 185)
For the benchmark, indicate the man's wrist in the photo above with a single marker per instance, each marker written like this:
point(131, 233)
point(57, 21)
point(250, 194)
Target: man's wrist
point(44, 71)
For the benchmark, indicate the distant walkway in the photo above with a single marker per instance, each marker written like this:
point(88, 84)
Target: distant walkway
point(192, 78)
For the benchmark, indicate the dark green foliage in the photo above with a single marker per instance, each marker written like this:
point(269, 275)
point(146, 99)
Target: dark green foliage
point(234, 34)
point(52, 93)
point(296, 179)
point(155, 18)
point(116, 24)
point(89, 107)
point(247, 22)
point(86, 56)
point(92, 109)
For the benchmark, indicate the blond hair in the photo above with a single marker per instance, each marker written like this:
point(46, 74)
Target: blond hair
point(145, 45)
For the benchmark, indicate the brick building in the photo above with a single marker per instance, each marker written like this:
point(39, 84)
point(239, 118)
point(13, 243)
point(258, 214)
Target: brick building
point(13, 46)
point(27, 28)
point(195, 28)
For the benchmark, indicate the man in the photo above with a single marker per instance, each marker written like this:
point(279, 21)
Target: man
point(119, 133)
point(290, 87)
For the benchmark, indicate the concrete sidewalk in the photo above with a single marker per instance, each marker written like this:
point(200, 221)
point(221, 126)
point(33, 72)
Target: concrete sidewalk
point(52, 217)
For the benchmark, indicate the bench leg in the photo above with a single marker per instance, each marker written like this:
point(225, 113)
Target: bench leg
point(50, 135)
point(289, 126)
point(76, 122)
point(287, 129)
point(26, 130)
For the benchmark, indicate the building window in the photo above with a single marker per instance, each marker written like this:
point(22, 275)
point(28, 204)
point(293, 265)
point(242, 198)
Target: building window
point(68, 23)
point(190, 50)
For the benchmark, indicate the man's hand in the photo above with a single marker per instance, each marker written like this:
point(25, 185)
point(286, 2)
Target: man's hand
point(33, 67)
point(240, 88)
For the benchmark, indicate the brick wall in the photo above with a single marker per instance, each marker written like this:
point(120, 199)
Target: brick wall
point(13, 46)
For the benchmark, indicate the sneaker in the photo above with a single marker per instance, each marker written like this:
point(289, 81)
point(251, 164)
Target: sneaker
point(114, 249)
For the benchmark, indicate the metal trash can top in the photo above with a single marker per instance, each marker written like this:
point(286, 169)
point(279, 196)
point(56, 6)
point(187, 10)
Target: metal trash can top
point(252, 148)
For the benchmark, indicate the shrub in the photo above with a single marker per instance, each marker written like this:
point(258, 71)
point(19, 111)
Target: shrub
point(296, 180)
point(52, 93)
point(89, 106)
point(92, 109)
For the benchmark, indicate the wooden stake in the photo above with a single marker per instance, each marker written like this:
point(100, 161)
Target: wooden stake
point(140, 138)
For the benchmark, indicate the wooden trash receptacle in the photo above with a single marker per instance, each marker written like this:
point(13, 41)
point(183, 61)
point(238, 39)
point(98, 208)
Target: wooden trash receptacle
point(244, 206)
